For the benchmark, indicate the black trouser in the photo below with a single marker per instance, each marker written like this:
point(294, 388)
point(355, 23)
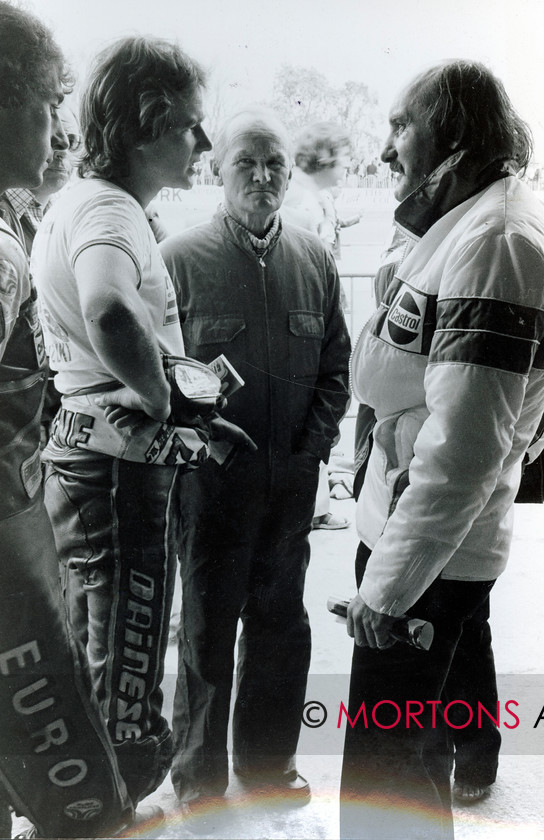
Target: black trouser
point(244, 555)
point(116, 527)
point(396, 781)
point(472, 678)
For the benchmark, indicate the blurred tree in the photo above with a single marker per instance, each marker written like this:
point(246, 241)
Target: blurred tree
point(217, 105)
point(303, 95)
point(359, 114)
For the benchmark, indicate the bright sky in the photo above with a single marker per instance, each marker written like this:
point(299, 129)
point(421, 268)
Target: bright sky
point(243, 42)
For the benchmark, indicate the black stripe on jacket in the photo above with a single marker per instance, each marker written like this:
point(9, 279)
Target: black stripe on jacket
point(490, 333)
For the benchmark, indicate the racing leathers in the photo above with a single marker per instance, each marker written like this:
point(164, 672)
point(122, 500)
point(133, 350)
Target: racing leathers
point(111, 492)
point(57, 763)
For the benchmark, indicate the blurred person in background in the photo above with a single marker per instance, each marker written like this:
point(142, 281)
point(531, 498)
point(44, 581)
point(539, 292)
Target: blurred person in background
point(322, 156)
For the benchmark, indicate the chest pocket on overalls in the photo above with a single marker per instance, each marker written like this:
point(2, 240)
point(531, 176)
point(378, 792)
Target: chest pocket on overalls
point(306, 333)
point(203, 335)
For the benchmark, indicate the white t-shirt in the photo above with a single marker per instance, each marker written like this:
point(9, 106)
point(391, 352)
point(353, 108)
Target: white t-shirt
point(96, 212)
point(302, 205)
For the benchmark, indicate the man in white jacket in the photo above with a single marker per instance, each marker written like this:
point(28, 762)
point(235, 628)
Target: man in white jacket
point(452, 364)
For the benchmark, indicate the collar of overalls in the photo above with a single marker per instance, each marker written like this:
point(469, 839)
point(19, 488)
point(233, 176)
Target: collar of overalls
point(455, 180)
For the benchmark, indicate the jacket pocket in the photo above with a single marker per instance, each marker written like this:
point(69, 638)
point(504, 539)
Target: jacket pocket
point(398, 482)
point(306, 333)
point(205, 330)
point(395, 438)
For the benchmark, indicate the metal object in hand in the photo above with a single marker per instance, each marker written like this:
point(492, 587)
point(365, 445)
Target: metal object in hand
point(411, 631)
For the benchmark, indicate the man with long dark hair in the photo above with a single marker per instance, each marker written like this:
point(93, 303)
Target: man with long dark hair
point(452, 365)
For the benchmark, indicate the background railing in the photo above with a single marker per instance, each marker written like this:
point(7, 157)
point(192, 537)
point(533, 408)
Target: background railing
point(358, 302)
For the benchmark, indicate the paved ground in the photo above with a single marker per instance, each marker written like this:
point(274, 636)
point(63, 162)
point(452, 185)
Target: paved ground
point(515, 808)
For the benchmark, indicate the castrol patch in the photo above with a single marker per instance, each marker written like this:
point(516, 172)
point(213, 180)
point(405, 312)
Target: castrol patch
point(403, 326)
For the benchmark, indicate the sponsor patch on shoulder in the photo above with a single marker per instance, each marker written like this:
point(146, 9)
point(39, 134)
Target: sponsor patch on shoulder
point(403, 326)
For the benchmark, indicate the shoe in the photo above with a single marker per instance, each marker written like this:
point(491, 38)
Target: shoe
point(292, 788)
point(295, 789)
point(200, 814)
point(147, 816)
point(203, 804)
point(340, 486)
point(329, 522)
point(468, 794)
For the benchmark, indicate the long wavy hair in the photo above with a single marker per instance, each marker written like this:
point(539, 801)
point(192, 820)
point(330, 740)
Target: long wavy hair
point(29, 55)
point(132, 90)
point(465, 102)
